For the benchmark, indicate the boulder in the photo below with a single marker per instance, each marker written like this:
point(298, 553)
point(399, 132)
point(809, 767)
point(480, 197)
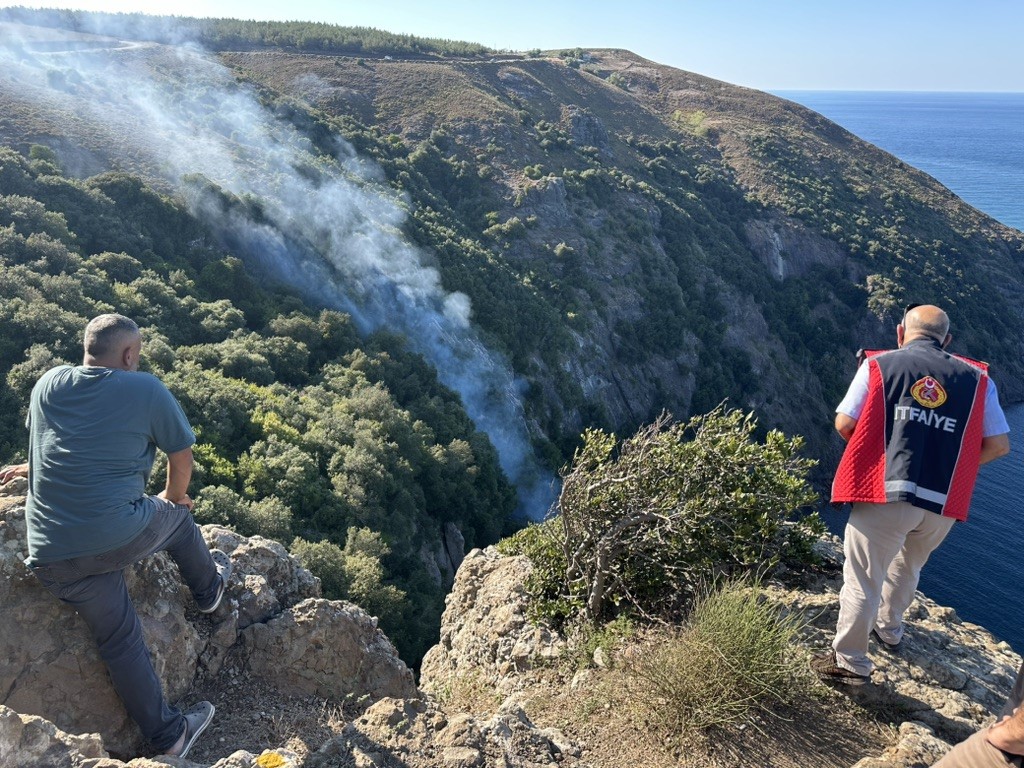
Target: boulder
point(327, 648)
point(485, 627)
point(27, 741)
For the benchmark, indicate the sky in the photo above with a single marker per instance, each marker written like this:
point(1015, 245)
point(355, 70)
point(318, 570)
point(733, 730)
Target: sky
point(896, 45)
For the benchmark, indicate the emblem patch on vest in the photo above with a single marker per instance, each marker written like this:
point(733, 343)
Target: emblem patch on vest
point(928, 392)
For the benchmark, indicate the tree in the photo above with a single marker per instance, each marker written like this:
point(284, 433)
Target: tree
point(354, 572)
point(23, 376)
point(273, 467)
point(645, 523)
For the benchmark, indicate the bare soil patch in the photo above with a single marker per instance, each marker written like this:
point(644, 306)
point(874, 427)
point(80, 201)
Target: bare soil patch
point(253, 715)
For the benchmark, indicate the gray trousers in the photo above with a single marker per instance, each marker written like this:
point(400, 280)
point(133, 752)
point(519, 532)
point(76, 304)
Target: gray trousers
point(94, 586)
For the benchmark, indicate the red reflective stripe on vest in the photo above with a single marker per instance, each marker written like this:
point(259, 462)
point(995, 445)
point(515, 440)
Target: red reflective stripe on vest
point(958, 500)
point(861, 472)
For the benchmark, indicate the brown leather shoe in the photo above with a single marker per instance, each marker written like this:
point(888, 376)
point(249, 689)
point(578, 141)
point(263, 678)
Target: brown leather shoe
point(827, 668)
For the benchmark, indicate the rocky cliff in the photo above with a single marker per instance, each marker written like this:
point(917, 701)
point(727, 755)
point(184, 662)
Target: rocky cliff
point(948, 679)
point(301, 681)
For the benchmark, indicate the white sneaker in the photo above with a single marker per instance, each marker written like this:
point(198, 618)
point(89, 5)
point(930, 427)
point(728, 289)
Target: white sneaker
point(223, 563)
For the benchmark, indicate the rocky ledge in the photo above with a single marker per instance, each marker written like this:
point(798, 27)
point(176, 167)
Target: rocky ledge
point(57, 708)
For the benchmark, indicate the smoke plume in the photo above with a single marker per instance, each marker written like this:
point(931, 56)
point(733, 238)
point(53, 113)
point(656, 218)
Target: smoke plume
point(328, 224)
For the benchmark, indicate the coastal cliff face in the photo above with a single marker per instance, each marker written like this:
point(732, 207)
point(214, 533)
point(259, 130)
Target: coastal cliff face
point(308, 683)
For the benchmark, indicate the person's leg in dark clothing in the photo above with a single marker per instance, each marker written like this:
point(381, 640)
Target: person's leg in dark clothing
point(172, 529)
point(95, 587)
point(102, 600)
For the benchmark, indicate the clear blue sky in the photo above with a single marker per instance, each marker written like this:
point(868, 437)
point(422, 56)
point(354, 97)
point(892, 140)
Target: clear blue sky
point(936, 45)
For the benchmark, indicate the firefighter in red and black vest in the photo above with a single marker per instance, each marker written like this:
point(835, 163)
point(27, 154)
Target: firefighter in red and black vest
point(918, 422)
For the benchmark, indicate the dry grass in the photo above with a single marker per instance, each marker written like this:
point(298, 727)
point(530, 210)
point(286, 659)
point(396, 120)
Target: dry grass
point(469, 693)
point(598, 710)
point(731, 688)
point(734, 661)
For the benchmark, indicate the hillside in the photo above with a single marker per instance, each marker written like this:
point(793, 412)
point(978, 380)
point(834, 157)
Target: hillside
point(630, 237)
point(391, 281)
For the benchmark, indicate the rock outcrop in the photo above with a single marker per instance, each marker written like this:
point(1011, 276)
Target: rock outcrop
point(272, 619)
point(417, 734)
point(789, 249)
point(327, 648)
point(485, 628)
point(948, 679)
point(27, 741)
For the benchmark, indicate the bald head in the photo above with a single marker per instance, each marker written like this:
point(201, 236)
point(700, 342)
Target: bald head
point(112, 341)
point(926, 322)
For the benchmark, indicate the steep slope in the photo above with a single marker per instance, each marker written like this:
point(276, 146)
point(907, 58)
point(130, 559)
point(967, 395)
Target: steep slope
point(632, 237)
point(698, 239)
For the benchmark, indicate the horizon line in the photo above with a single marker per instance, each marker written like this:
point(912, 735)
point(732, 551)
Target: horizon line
point(890, 90)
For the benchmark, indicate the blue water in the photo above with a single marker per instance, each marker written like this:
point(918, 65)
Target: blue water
point(974, 144)
point(971, 142)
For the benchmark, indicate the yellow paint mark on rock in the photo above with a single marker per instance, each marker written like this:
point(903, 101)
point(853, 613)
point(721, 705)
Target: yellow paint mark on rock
point(271, 760)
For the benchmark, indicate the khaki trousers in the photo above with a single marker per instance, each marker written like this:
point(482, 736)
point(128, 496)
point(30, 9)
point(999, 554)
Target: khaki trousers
point(886, 546)
point(976, 752)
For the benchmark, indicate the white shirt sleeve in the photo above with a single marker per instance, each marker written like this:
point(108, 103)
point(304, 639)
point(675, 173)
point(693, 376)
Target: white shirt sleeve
point(994, 422)
point(857, 394)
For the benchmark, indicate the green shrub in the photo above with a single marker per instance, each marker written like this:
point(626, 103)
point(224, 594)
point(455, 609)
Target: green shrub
point(645, 523)
point(732, 660)
point(619, 80)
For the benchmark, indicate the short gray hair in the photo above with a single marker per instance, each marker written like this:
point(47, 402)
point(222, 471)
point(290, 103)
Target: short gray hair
point(104, 333)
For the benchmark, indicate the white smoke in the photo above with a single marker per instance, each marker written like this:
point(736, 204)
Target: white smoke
point(326, 224)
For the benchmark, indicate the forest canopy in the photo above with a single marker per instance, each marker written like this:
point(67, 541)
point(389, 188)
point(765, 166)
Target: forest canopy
point(347, 450)
point(239, 34)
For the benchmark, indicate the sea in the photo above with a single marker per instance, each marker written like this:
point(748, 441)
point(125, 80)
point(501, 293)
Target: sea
point(974, 144)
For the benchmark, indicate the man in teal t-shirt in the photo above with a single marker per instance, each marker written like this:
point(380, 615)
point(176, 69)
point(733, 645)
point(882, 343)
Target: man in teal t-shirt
point(93, 434)
point(104, 424)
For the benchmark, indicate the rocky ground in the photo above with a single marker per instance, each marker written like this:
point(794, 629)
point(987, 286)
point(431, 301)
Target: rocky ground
point(304, 682)
point(948, 679)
